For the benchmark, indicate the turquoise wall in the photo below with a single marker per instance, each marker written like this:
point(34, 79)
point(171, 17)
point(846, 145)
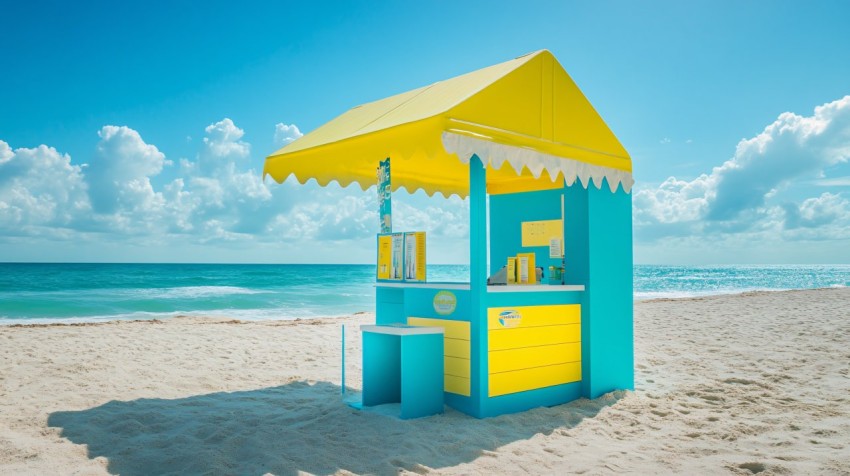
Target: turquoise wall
point(389, 306)
point(507, 212)
point(598, 245)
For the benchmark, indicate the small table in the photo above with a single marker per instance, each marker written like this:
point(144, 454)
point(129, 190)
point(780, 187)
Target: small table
point(403, 364)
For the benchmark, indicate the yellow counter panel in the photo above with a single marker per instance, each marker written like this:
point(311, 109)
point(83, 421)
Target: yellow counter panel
point(456, 345)
point(529, 357)
point(532, 347)
point(537, 377)
point(521, 337)
point(536, 316)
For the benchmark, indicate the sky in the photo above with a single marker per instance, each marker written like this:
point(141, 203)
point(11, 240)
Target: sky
point(136, 131)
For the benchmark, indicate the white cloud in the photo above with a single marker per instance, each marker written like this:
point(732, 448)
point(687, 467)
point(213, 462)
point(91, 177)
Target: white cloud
point(734, 197)
point(792, 147)
point(122, 196)
point(41, 192)
point(5, 152)
point(115, 195)
point(284, 134)
point(120, 171)
point(665, 140)
point(673, 201)
point(351, 217)
point(450, 219)
point(826, 212)
point(226, 202)
point(222, 147)
point(834, 182)
point(328, 214)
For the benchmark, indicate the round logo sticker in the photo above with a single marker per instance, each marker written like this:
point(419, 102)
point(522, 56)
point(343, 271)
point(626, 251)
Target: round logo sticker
point(510, 318)
point(445, 303)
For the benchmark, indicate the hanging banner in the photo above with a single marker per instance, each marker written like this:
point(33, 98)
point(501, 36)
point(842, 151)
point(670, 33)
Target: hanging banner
point(384, 198)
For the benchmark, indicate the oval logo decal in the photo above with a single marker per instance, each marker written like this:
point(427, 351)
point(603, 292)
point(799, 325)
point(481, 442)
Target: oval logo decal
point(445, 303)
point(510, 318)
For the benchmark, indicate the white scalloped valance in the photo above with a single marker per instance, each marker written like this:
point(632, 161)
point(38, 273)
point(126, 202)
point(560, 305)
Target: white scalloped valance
point(495, 155)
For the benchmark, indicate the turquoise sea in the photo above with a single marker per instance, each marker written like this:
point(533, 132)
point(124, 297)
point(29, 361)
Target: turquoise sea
point(41, 292)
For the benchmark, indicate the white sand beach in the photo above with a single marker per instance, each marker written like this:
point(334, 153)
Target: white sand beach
point(740, 384)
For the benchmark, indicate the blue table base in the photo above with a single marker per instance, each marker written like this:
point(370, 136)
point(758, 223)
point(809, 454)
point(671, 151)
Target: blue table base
point(405, 368)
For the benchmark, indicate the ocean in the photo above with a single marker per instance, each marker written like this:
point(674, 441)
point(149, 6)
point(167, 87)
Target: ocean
point(42, 292)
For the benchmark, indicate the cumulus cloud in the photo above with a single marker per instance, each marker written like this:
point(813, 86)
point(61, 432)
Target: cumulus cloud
point(222, 147)
point(331, 214)
point(6, 153)
point(127, 192)
point(41, 192)
point(120, 171)
point(351, 217)
point(673, 201)
point(226, 200)
point(817, 212)
point(450, 219)
point(284, 134)
point(117, 192)
point(792, 147)
point(734, 196)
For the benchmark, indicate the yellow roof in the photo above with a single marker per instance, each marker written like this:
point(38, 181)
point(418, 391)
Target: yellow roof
point(527, 112)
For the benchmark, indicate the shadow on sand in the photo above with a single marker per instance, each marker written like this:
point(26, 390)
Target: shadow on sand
point(291, 428)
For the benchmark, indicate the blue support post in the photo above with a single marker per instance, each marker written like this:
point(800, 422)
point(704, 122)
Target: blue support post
point(478, 281)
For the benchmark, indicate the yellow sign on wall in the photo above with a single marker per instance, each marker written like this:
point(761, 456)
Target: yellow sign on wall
point(540, 233)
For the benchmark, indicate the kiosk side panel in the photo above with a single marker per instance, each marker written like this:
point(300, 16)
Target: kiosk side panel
point(598, 245)
point(389, 306)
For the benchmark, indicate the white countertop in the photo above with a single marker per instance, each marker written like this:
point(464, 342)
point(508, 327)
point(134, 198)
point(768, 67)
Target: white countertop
point(512, 288)
point(461, 286)
point(401, 330)
point(535, 288)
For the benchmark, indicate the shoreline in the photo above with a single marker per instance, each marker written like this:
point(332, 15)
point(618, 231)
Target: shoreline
point(752, 292)
point(102, 320)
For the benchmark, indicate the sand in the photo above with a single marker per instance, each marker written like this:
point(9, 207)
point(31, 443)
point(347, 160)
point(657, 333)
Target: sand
point(754, 383)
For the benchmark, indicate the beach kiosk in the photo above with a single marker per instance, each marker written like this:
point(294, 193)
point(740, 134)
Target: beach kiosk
point(550, 221)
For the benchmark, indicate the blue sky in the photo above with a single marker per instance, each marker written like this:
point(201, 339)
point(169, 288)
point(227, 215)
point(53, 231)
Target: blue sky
point(136, 131)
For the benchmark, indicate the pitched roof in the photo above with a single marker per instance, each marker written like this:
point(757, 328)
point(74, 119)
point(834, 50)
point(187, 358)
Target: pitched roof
point(527, 112)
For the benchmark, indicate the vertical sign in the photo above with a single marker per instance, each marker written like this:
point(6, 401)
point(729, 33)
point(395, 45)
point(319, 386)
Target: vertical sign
point(385, 256)
point(384, 203)
point(414, 256)
point(397, 270)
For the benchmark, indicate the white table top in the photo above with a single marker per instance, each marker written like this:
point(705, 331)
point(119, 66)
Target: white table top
point(459, 286)
point(535, 288)
point(511, 288)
